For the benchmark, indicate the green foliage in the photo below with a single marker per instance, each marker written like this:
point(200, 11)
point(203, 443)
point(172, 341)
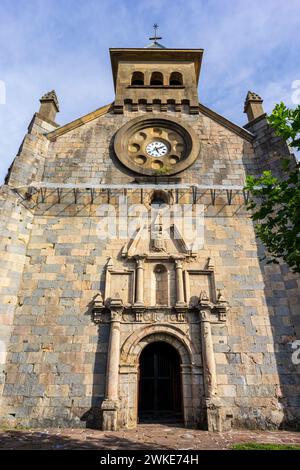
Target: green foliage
point(275, 202)
point(286, 123)
point(258, 446)
point(164, 170)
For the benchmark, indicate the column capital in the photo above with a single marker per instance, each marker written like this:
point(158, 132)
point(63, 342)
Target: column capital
point(116, 307)
point(205, 315)
point(140, 260)
point(116, 315)
point(178, 263)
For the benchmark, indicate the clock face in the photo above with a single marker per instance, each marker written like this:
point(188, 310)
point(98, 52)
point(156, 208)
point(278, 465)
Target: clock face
point(157, 148)
point(153, 146)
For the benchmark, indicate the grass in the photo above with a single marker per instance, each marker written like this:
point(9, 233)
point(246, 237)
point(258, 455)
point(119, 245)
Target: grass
point(257, 446)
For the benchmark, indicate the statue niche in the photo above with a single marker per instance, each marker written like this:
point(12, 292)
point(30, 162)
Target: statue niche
point(161, 285)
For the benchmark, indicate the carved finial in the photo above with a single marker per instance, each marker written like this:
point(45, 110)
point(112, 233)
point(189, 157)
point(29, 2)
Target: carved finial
point(253, 106)
point(115, 300)
point(110, 263)
point(220, 297)
point(222, 306)
point(98, 301)
point(98, 308)
point(203, 297)
point(251, 96)
point(210, 263)
point(50, 96)
point(49, 106)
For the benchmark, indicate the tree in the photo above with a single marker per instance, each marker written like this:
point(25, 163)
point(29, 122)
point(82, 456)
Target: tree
point(275, 202)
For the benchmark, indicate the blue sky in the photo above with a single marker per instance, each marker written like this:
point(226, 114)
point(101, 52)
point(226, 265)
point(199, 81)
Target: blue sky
point(63, 44)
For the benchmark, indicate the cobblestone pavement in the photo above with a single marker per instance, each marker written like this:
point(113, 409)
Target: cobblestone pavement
point(149, 437)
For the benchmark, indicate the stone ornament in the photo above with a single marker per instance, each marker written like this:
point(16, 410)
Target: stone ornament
point(153, 146)
point(208, 309)
point(50, 96)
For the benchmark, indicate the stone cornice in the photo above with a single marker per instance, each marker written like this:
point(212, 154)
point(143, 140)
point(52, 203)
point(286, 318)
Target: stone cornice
point(243, 133)
point(144, 54)
point(254, 121)
point(43, 118)
point(79, 122)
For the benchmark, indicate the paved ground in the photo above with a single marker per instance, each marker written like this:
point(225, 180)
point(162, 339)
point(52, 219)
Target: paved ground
point(148, 436)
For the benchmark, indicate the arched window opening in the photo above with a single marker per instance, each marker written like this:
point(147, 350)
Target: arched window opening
point(159, 198)
point(161, 285)
point(176, 78)
point(157, 78)
point(137, 78)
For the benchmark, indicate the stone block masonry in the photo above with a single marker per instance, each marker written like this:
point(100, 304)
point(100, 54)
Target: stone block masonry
point(77, 311)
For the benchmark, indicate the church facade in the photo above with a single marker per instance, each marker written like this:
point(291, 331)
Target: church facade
point(112, 311)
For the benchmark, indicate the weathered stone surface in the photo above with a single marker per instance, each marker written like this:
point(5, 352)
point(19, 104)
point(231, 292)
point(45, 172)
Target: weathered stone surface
point(53, 265)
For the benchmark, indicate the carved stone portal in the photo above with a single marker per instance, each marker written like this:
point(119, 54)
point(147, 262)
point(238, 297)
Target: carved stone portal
point(129, 307)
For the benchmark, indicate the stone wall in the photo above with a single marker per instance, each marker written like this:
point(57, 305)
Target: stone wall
point(56, 364)
point(85, 154)
point(14, 235)
point(282, 287)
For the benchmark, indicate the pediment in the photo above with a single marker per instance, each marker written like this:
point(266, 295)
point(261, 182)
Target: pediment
point(151, 243)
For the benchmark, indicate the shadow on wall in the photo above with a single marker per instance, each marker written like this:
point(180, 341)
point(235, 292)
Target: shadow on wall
point(272, 351)
point(92, 417)
point(281, 298)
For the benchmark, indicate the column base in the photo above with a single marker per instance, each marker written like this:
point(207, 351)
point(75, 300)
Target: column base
point(109, 409)
point(180, 305)
point(214, 415)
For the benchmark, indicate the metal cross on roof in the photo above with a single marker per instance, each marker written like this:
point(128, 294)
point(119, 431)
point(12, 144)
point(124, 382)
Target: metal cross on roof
point(155, 38)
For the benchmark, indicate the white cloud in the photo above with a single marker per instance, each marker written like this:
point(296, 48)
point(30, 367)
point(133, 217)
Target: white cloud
point(64, 45)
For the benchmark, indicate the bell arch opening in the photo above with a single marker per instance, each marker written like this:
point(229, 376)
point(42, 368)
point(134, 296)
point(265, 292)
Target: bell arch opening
point(137, 79)
point(176, 79)
point(157, 79)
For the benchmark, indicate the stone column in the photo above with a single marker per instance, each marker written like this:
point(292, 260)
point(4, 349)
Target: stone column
point(179, 283)
point(208, 356)
point(110, 405)
point(210, 376)
point(139, 281)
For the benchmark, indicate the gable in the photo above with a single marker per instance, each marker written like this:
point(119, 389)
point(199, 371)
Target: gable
point(222, 121)
point(79, 122)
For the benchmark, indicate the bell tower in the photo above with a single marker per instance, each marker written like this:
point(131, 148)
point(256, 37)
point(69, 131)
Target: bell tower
point(155, 77)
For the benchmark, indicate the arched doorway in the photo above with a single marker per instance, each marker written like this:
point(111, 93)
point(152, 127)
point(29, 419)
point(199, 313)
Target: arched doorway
point(160, 396)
